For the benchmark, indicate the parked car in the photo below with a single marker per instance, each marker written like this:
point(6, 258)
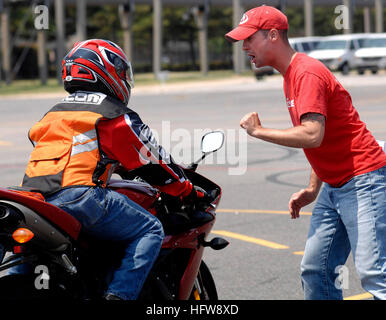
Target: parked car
point(304, 44)
point(300, 44)
point(372, 55)
point(262, 71)
point(337, 52)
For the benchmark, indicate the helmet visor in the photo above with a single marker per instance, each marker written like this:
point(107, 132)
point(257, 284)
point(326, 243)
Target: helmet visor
point(126, 73)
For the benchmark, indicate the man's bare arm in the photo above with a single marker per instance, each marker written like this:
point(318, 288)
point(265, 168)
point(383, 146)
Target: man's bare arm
point(309, 134)
point(305, 196)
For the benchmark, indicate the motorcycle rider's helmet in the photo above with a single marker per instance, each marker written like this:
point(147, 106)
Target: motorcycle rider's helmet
point(99, 66)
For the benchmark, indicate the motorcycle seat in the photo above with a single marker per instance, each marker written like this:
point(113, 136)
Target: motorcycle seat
point(35, 202)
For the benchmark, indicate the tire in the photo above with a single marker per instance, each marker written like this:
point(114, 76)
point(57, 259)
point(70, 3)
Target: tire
point(204, 287)
point(345, 69)
point(259, 76)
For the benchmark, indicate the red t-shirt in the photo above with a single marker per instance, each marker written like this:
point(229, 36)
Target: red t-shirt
point(348, 148)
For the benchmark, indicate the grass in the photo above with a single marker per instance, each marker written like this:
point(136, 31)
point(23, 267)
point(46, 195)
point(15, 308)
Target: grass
point(142, 79)
point(30, 86)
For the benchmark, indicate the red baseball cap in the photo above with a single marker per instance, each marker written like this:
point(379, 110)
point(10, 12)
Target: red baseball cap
point(263, 17)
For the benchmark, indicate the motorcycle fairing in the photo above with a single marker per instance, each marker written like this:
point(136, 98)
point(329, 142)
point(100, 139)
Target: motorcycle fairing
point(57, 216)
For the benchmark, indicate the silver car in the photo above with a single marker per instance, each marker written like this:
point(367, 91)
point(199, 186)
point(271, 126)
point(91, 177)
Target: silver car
point(337, 52)
point(372, 55)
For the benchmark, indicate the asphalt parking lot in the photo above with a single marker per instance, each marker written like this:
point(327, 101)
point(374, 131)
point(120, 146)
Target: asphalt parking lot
point(262, 262)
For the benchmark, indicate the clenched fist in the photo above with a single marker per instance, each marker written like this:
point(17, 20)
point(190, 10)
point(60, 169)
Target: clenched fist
point(250, 122)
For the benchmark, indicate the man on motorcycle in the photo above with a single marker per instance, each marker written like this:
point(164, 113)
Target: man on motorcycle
point(350, 213)
point(78, 143)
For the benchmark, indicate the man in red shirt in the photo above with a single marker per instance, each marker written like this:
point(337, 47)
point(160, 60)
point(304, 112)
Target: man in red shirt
point(350, 213)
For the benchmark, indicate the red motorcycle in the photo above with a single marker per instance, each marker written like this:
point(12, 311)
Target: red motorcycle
point(63, 263)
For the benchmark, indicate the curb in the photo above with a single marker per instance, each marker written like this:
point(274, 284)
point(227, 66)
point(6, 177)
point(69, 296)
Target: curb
point(273, 82)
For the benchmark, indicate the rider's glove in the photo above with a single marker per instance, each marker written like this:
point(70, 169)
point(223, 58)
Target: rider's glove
point(197, 194)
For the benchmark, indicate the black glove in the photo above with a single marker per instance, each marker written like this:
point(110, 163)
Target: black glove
point(197, 194)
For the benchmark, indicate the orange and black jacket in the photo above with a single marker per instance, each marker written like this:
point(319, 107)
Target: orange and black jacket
point(80, 140)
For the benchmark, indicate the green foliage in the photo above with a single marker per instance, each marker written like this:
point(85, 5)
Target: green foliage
point(104, 23)
point(295, 18)
point(143, 26)
point(180, 33)
point(220, 22)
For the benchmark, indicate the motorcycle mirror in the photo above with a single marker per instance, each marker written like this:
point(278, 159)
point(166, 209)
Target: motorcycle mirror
point(212, 141)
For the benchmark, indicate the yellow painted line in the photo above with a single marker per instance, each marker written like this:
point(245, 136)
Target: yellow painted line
point(361, 296)
point(298, 253)
point(262, 242)
point(5, 143)
point(259, 211)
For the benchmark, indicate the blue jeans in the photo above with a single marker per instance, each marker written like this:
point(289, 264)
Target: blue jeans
point(349, 218)
point(109, 215)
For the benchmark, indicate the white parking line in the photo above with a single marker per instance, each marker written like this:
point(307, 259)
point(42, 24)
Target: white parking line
point(259, 211)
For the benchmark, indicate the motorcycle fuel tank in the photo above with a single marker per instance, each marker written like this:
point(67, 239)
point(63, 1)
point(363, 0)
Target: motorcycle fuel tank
point(140, 192)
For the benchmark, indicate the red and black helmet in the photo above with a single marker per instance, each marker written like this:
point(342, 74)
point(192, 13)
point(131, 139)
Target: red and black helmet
point(98, 66)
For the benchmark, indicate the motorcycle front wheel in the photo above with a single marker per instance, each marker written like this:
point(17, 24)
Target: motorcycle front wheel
point(204, 287)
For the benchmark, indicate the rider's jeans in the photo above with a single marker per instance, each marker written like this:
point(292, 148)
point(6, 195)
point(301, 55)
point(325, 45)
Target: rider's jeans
point(109, 215)
point(352, 217)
